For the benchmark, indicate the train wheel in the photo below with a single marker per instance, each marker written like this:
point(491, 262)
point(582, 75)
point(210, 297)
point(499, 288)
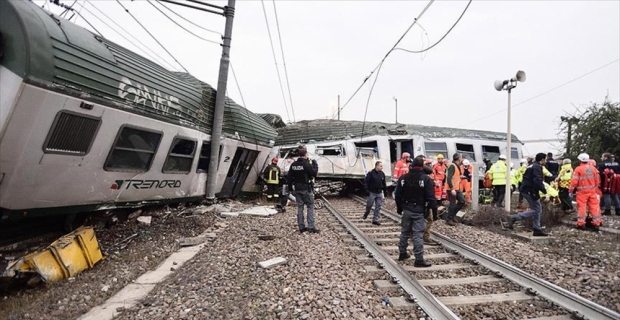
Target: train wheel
point(74, 221)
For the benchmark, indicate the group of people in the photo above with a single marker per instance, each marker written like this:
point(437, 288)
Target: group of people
point(588, 182)
point(300, 182)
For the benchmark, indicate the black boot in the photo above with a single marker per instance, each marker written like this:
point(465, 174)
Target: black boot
point(421, 264)
point(511, 222)
point(314, 230)
point(607, 212)
point(376, 223)
point(365, 215)
point(404, 256)
point(539, 233)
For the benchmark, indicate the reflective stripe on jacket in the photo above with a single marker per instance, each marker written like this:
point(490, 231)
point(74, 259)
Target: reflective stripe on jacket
point(565, 176)
point(586, 178)
point(401, 168)
point(498, 173)
point(439, 171)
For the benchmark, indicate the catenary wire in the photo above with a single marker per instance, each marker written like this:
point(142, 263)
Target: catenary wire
point(182, 27)
point(180, 16)
point(288, 85)
point(543, 93)
point(67, 9)
point(387, 54)
point(445, 35)
point(147, 31)
point(275, 61)
point(123, 36)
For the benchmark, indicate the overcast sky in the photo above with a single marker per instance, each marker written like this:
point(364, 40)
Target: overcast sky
point(332, 46)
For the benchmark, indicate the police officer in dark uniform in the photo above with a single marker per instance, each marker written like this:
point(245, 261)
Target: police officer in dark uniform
point(415, 193)
point(299, 179)
point(553, 166)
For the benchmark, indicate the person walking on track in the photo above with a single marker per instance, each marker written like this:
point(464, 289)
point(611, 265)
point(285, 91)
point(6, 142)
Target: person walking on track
point(376, 188)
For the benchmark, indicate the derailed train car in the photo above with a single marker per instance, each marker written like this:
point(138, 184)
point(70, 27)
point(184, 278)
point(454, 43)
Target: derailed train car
point(88, 125)
point(347, 150)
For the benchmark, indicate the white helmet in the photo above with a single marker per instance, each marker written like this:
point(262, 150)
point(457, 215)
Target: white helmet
point(523, 160)
point(584, 157)
point(465, 162)
point(502, 157)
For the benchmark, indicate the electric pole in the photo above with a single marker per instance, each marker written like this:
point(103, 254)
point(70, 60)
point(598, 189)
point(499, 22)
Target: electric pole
point(338, 107)
point(569, 121)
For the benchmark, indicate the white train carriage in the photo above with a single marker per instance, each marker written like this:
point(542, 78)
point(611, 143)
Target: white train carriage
point(343, 153)
point(87, 125)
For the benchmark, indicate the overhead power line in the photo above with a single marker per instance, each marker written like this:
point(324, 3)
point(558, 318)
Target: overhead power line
point(182, 27)
point(288, 85)
point(275, 60)
point(445, 35)
point(70, 8)
point(123, 36)
point(147, 31)
point(386, 55)
point(544, 93)
point(180, 16)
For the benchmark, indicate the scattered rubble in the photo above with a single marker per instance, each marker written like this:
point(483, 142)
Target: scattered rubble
point(272, 262)
point(145, 220)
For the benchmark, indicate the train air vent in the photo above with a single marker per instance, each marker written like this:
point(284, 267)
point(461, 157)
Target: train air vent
point(71, 134)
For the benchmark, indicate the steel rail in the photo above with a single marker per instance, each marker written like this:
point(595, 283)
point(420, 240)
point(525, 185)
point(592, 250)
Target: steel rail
point(417, 292)
point(568, 300)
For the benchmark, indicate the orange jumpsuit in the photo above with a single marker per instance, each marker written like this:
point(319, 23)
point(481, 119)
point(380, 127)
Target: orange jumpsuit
point(439, 171)
point(466, 185)
point(401, 168)
point(586, 181)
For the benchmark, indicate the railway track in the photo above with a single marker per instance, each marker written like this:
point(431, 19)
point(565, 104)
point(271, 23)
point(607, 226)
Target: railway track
point(462, 283)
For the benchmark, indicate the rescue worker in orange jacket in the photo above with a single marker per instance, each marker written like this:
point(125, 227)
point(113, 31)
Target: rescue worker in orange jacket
point(467, 172)
point(585, 183)
point(402, 166)
point(439, 172)
point(453, 186)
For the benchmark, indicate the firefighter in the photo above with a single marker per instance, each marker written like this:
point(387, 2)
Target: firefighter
point(299, 178)
point(439, 173)
point(585, 183)
point(414, 196)
point(564, 178)
point(610, 172)
point(498, 174)
point(401, 167)
point(273, 176)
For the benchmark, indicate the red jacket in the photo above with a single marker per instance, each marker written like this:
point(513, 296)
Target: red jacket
point(401, 168)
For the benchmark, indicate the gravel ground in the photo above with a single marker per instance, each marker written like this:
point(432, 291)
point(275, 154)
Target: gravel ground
point(474, 289)
point(123, 263)
point(534, 308)
point(321, 279)
point(455, 273)
point(586, 263)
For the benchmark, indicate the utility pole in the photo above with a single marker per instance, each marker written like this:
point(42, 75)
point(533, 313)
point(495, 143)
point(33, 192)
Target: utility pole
point(338, 107)
point(396, 100)
point(570, 121)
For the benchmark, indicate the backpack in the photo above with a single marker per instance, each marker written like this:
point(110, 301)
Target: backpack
point(609, 182)
point(615, 184)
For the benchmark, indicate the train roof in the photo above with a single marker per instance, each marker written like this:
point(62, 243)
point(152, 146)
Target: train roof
point(331, 130)
point(49, 51)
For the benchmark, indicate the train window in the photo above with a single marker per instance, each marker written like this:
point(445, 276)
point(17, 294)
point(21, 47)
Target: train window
point(467, 150)
point(205, 156)
point(336, 150)
point(432, 149)
point(71, 134)
point(490, 152)
point(133, 150)
point(181, 156)
point(289, 153)
point(368, 149)
point(515, 153)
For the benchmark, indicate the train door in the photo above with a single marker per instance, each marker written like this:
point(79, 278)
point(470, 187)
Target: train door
point(240, 167)
point(397, 147)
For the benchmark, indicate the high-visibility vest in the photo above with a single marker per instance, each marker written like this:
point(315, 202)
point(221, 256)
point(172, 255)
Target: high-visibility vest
point(513, 177)
point(586, 178)
point(565, 175)
point(551, 191)
point(456, 178)
point(520, 173)
point(273, 177)
point(498, 173)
